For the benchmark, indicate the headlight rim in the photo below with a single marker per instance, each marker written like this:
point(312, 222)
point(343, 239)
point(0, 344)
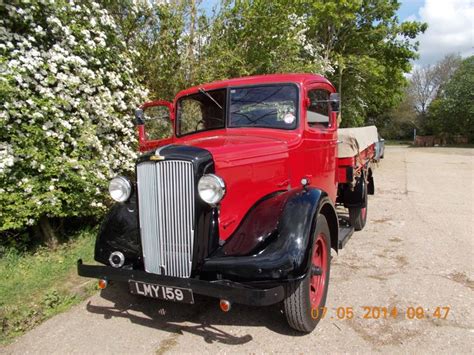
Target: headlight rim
point(129, 188)
point(220, 183)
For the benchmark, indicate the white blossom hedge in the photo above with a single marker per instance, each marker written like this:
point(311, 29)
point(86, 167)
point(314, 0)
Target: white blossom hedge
point(67, 91)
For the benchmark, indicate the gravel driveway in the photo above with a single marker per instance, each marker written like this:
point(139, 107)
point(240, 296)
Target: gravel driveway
point(416, 251)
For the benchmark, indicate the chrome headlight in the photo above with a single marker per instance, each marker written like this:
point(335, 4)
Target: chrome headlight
point(120, 188)
point(211, 188)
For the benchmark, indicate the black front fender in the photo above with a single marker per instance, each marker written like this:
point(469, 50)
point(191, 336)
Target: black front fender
point(283, 253)
point(120, 232)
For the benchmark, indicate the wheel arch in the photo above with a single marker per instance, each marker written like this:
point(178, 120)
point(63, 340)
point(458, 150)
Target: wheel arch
point(328, 210)
point(355, 196)
point(285, 252)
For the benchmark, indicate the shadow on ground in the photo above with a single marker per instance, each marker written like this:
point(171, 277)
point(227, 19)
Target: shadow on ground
point(204, 313)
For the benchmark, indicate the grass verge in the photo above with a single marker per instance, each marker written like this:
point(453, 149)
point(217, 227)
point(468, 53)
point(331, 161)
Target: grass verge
point(36, 286)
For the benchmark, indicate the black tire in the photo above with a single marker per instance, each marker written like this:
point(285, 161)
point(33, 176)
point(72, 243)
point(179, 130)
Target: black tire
point(358, 215)
point(297, 305)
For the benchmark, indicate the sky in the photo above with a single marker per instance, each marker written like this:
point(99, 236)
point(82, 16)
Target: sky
point(450, 26)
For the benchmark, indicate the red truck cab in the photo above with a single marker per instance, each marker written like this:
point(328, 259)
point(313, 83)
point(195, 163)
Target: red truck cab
point(239, 201)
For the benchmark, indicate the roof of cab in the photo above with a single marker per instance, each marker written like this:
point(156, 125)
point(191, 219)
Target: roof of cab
point(300, 78)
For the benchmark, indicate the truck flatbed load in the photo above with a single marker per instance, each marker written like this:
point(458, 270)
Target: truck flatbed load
point(355, 140)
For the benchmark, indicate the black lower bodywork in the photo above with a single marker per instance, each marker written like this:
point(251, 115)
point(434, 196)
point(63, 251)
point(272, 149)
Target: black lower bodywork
point(223, 289)
point(268, 250)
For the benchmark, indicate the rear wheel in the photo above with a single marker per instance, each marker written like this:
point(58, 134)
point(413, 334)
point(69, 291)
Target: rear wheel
point(358, 215)
point(305, 302)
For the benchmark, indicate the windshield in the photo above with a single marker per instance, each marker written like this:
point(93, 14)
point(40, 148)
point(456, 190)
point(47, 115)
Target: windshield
point(201, 112)
point(269, 106)
point(273, 106)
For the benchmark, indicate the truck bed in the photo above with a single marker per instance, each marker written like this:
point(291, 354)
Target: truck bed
point(354, 141)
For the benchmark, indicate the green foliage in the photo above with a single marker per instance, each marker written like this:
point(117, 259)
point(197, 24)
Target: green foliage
point(67, 90)
point(360, 45)
point(260, 37)
point(452, 113)
point(370, 51)
point(398, 123)
point(158, 123)
point(427, 83)
point(176, 45)
point(425, 89)
point(164, 40)
point(70, 73)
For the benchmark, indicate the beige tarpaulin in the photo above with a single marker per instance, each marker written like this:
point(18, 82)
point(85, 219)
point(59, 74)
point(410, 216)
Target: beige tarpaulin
point(355, 140)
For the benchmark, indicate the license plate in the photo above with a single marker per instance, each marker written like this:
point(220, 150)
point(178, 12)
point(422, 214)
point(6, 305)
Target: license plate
point(161, 292)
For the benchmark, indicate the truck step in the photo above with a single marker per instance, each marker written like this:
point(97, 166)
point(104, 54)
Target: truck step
point(345, 232)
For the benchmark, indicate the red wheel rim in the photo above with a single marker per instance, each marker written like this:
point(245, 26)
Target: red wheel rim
point(364, 213)
point(319, 260)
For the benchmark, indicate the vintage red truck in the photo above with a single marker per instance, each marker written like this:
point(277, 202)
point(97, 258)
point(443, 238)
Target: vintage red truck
point(243, 201)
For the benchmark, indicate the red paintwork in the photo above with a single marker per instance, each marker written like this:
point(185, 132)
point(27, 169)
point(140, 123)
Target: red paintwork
point(145, 144)
point(257, 161)
point(341, 174)
point(318, 282)
point(357, 162)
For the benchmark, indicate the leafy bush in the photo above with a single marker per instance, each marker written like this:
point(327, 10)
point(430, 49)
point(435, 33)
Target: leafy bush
point(452, 112)
point(67, 88)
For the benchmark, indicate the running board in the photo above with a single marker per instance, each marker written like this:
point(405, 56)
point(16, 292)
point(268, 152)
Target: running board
point(345, 233)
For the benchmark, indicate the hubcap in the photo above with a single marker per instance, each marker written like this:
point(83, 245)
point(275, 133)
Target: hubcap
point(318, 280)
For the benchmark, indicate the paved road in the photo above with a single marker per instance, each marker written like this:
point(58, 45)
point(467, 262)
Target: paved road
point(417, 250)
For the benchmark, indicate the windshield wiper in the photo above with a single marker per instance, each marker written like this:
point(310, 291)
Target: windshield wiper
point(202, 91)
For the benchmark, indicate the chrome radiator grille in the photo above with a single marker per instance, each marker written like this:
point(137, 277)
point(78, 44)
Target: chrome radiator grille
point(166, 209)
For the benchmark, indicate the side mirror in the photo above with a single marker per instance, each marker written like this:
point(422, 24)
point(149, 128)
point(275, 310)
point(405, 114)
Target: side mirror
point(335, 101)
point(139, 117)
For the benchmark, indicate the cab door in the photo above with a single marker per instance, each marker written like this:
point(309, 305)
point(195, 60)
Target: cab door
point(320, 136)
point(154, 121)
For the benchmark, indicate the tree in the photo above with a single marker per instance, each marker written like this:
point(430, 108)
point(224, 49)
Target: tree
point(426, 82)
point(165, 40)
point(259, 37)
point(369, 49)
point(71, 72)
point(360, 45)
point(399, 122)
point(423, 88)
point(67, 89)
point(452, 112)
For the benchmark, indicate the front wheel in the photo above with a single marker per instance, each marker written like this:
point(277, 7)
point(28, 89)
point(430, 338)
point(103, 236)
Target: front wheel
point(305, 302)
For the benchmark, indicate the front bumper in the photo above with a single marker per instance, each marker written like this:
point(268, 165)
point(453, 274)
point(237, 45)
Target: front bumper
point(223, 289)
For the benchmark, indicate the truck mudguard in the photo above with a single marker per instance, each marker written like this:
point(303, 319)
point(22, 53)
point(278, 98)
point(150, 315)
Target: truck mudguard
point(272, 242)
point(119, 232)
point(356, 197)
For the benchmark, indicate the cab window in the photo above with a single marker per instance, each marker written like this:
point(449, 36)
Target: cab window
point(318, 111)
point(157, 123)
point(201, 112)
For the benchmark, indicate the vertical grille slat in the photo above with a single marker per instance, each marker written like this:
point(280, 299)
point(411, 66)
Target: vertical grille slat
point(166, 213)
